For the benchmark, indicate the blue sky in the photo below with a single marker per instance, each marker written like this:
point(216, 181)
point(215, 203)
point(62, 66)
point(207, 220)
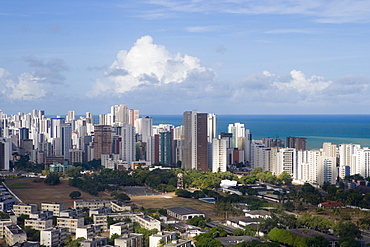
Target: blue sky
point(166, 57)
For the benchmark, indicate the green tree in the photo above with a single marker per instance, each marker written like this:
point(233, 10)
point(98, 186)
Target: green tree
point(238, 232)
point(183, 193)
point(74, 194)
point(52, 179)
point(317, 241)
point(122, 197)
point(112, 238)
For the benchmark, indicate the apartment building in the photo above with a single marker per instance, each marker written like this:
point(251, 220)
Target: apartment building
point(54, 207)
point(26, 209)
point(53, 237)
point(14, 234)
point(70, 223)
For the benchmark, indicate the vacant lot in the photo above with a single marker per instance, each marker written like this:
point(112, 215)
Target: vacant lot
point(36, 192)
point(169, 200)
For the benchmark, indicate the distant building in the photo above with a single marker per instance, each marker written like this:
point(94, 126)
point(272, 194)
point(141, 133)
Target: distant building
point(102, 140)
point(54, 207)
point(299, 143)
point(184, 213)
point(130, 240)
point(53, 237)
point(14, 234)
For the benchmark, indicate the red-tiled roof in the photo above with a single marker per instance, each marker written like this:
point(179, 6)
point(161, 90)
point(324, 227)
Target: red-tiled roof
point(331, 204)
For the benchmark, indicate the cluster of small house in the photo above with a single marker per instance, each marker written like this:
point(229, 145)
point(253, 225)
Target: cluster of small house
point(70, 221)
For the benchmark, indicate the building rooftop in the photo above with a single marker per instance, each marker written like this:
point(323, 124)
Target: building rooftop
point(233, 240)
point(185, 210)
point(309, 233)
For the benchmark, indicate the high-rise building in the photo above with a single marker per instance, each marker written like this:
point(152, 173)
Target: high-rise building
point(299, 143)
point(195, 145)
point(128, 143)
point(133, 115)
point(5, 151)
point(102, 140)
point(238, 131)
point(219, 158)
point(120, 114)
point(165, 147)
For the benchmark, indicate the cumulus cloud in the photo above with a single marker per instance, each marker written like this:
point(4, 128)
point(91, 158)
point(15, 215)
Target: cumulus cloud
point(32, 85)
point(48, 72)
point(294, 87)
point(147, 64)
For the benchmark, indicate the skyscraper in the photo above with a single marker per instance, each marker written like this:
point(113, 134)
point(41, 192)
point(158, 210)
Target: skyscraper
point(102, 140)
point(299, 143)
point(195, 146)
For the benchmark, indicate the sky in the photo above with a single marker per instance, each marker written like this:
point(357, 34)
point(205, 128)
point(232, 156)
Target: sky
point(171, 56)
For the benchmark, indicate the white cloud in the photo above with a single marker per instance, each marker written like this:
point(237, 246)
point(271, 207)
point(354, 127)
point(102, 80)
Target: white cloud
point(203, 29)
point(299, 83)
point(148, 64)
point(271, 88)
point(32, 85)
point(331, 11)
point(28, 87)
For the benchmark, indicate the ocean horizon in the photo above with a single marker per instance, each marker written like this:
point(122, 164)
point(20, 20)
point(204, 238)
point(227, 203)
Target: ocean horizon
point(317, 128)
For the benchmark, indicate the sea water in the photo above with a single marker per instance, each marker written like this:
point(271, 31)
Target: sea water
point(337, 129)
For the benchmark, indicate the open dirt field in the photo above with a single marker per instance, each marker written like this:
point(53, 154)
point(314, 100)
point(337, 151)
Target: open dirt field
point(169, 200)
point(32, 192)
point(37, 192)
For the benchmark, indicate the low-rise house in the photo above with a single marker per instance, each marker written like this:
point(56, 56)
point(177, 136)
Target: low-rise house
point(96, 211)
point(54, 207)
point(71, 213)
point(130, 240)
point(3, 223)
point(88, 232)
point(258, 214)
point(53, 237)
point(42, 215)
point(94, 242)
point(91, 204)
point(14, 234)
point(119, 206)
point(121, 228)
point(6, 203)
point(39, 224)
point(166, 237)
point(25, 209)
point(234, 240)
point(242, 222)
point(179, 243)
point(27, 244)
point(331, 204)
point(147, 222)
point(70, 223)
point(309, 233)
point(144, 221)
point(184, 213)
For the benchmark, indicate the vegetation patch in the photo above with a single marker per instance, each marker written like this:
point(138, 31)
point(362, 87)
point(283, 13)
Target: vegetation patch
point(21, 186)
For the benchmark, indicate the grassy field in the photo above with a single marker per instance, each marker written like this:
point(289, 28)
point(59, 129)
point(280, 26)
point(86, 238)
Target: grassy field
point(169, 200)
point(36, 192)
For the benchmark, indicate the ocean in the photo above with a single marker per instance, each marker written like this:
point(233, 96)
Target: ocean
point(337, 129)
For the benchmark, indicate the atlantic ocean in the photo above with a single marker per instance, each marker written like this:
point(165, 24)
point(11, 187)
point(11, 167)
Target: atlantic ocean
point(337, 129)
